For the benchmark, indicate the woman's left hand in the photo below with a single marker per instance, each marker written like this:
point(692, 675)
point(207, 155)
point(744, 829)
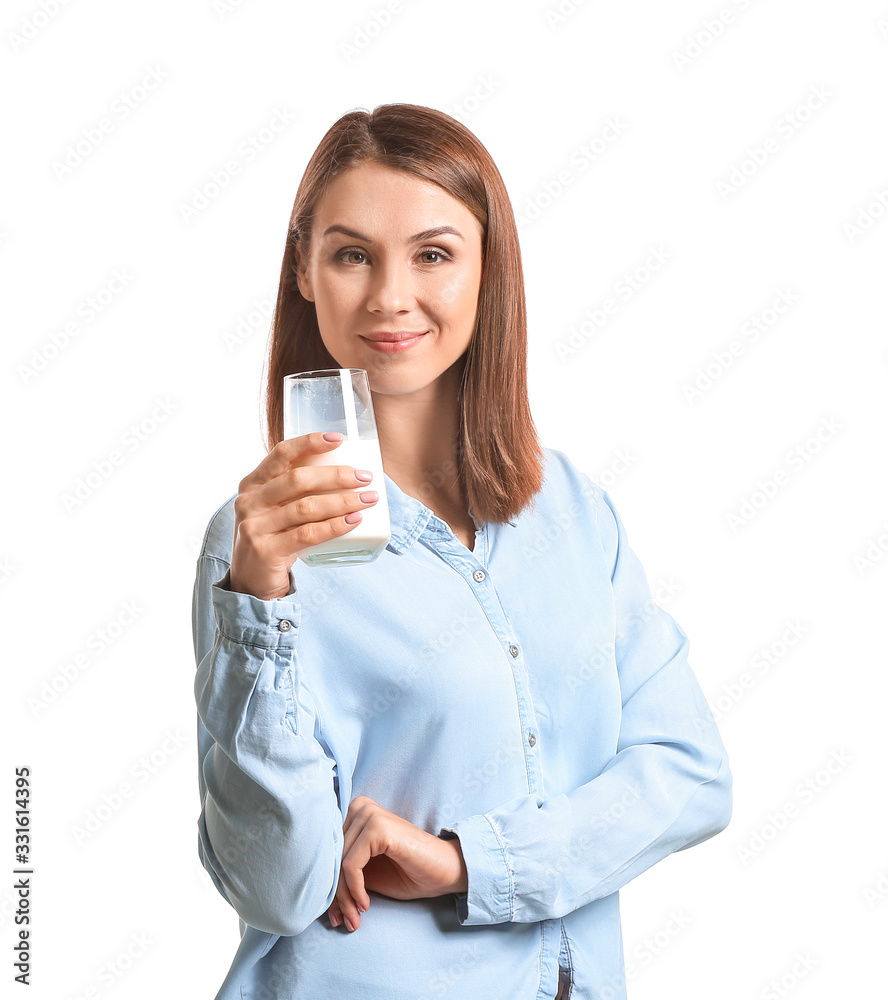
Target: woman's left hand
point(387, 854)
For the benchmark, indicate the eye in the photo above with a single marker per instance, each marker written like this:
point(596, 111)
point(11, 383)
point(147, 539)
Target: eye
point(350, 255)
point(346, 253)
point(435, 252)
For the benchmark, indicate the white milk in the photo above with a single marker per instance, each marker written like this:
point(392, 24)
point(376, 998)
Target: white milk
point(372, 533)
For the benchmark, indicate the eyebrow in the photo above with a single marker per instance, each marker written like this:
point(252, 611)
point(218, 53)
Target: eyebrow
point(426, 234)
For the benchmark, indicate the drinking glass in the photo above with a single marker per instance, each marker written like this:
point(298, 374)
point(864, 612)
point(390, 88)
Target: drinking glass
point(338, 399)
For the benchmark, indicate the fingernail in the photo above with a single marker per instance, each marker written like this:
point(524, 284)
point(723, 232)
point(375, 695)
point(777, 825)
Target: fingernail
point(348, 924)
point(333, 436)
point(364, 475)
point(334, 920)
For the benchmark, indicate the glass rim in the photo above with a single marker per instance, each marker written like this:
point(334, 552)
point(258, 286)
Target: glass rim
point(325, 373)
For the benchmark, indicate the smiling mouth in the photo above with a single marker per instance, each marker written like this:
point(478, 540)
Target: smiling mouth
point(395, 337)
point(388, 344)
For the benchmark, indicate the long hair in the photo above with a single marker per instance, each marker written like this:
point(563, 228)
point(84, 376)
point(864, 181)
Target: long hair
point(500, 459)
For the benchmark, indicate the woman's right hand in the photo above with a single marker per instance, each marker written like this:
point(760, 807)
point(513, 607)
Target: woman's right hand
point(283, 506)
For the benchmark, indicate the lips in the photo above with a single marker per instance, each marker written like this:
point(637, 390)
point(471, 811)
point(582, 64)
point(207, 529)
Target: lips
point(394, 341)
point(393, 337)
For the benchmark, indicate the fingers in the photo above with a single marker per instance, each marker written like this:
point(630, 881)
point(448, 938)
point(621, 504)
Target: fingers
point(279, 533)
point(352, 898)
point(318, 507)
point(285, 506)
point(351, 894)
point(304, 497)
point(343, 909)
point(302, 480)
point(335, 914)
point(284, 455)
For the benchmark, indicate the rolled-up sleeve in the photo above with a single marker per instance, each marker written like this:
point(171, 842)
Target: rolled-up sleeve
point(270, 825)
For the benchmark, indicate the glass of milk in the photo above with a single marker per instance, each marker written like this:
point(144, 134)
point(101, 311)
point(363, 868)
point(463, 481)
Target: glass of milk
point(338, 399)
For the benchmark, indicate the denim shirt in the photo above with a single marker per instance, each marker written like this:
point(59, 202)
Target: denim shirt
point(528, 697)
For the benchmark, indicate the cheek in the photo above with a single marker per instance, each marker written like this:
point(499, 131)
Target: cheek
point(335, 296)
point(460, 293)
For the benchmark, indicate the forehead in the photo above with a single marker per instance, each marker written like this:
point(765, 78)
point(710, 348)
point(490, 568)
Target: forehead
point(375, 197)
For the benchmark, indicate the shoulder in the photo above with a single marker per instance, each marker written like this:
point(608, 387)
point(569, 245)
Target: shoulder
point(572, 488)
point(563, 479)
point(219, 536)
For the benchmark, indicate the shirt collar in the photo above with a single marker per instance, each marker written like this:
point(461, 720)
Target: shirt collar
point(410, 517)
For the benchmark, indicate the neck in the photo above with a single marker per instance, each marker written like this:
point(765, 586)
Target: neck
point(418, 435)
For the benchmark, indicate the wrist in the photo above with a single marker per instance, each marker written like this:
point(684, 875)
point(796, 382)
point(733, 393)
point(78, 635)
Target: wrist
point(460, 881)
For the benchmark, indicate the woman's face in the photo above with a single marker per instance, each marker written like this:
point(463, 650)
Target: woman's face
point(376, 267)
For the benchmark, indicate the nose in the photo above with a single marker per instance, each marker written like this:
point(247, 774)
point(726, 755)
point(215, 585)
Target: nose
point(391, 288)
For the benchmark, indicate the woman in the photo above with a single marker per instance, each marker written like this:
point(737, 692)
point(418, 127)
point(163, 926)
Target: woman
point(429, 775)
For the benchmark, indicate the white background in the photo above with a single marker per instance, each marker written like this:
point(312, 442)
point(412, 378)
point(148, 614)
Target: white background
point(125, 909)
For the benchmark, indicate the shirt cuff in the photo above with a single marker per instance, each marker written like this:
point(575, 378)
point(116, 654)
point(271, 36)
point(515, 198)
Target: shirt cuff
point(489, 896)
point(244, 618)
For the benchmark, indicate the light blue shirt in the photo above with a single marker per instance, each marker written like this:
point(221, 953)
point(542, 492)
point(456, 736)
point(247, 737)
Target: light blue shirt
point(528, 697)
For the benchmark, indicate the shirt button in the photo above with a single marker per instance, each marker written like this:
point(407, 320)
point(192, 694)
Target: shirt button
point(532, 740)
point(284, 625)
point(513, 649)
point(479, 575)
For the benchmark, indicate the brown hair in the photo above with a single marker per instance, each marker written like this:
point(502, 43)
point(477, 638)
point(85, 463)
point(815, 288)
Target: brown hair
point(499, 453)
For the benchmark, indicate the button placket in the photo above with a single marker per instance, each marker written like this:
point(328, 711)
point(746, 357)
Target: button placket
point(527, 719)
point(499, 622)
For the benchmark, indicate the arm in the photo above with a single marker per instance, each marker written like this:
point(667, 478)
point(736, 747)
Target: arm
point(667, 788)
point(270, 826)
